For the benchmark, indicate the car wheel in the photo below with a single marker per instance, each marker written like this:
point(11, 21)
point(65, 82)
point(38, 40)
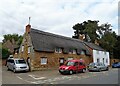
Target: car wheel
point(107, 69)
point(71, 72)
point(8, 68)
point(83, 70)
point(14, 70)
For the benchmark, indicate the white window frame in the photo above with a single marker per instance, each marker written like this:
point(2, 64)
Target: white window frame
point(43, 60)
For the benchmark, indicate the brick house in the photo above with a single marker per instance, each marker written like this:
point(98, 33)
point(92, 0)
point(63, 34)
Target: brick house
point(43, 50)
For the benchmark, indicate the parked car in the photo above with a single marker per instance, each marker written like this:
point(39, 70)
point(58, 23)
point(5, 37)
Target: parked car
point(17, 64)
point(116, 65)
point(97, 67)
point(72, 66)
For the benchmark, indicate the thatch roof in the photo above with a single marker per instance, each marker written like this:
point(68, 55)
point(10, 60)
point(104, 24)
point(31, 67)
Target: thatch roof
point(44, 41)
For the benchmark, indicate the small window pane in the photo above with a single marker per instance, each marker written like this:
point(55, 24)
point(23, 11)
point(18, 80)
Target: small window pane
point(43, 60)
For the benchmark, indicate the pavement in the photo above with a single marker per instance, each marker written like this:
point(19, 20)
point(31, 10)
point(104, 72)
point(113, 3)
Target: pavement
point(54, 77)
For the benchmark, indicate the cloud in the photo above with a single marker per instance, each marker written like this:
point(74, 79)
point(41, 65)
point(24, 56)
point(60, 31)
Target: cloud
point(54, 16)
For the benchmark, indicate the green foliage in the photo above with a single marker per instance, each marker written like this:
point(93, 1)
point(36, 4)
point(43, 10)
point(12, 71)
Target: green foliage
point(13, 37)
point(103, 33)
point(5, 53)
point(116, 49)
point(88, 28)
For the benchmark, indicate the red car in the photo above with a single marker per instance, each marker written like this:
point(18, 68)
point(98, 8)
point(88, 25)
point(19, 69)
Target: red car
point(72, 66)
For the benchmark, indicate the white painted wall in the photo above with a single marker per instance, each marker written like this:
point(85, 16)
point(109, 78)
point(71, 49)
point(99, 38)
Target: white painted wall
point(102, 56)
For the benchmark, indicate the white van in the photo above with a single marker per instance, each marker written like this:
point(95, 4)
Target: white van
point(16, 64)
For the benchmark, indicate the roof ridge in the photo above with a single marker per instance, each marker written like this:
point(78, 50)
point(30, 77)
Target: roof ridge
point(55, 35)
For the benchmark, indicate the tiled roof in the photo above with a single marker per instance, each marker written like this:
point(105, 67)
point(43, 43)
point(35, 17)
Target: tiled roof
point(94, 46)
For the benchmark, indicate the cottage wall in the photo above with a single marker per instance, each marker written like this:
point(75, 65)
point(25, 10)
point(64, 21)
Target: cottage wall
point(53, 59)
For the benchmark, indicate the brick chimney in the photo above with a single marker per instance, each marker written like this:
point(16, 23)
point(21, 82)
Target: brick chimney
point(96, 42)
point(81, 37)
point(28, 27)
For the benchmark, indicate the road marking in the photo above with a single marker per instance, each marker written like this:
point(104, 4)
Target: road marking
point(34, 77)
point(23, 79)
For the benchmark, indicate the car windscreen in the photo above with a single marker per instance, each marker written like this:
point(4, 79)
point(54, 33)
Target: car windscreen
point(20, 61)
point(69, 63)
point(93, 64)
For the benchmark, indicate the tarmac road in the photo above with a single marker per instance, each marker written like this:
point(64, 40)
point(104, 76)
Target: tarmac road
point(54, 77)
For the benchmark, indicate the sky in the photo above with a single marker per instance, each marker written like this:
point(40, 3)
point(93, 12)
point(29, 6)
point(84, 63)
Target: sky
point(55, 16)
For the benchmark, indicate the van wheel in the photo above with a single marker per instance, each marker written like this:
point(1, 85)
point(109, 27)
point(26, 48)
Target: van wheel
point(71, 72)
point(83, 70)
point(8, 69)
point(14, 70)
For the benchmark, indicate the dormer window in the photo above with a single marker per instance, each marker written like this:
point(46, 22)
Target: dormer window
point(82, 52)
point(58, 50)
point(72, 51)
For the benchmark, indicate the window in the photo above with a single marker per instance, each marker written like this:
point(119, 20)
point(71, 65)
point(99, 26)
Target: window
point(22, 48)
point(58, 50)
point(106, 60)
point(70, 58)
point(29, 49)
point(103, 60)
point(61, 60)
point(43, 60)
point(82, 52)
point(74, 51)
point(98, 60)
point(76, 64)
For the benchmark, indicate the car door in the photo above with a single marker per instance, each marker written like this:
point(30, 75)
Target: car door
point(76, 65)
point(81, 65)
point(102, 66)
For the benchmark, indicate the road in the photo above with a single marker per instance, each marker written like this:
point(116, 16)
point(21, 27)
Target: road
point(53, 77)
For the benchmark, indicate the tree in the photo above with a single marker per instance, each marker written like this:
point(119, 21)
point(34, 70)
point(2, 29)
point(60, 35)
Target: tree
point(116, 50)
point(108, 42)
point(13, 38)
point(103, 33)
point(12, 41)
point(5, 53)
point(88, 28)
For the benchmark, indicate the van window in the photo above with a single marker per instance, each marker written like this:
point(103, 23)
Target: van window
point(76, 63)
point(69, 63)
point(10, 61)
point(81, 63)
point(20, 61)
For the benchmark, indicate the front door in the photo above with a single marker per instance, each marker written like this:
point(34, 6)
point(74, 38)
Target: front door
point(61, 61)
